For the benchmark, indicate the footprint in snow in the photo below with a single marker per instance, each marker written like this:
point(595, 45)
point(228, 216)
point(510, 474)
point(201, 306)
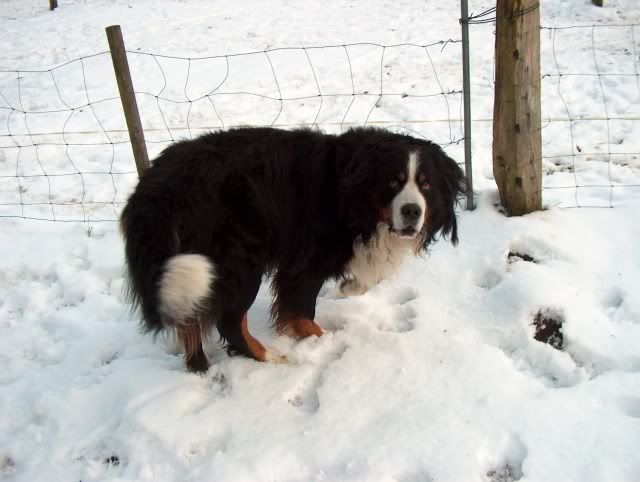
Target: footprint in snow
point(512, 458)
point(615, 304)
point(547, 325)
point(106, 357)
point(112, 460)
point(405, 316)
point(398, 314)
point(404, 311)
point(515, 256)
point(528, 249)
point(489, 279)
point(505, 473)
point(404, 295)
point(304, 396)
point(7, 466)
point(630, 406)
point(216, 381)
point(80, 260)
point(554, 366)
point(614, 299)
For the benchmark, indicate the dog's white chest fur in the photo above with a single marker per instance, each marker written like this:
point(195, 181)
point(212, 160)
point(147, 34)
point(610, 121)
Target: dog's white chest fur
point(376, 260)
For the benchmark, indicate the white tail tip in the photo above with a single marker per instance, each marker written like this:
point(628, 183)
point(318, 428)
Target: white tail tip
point(184, 285)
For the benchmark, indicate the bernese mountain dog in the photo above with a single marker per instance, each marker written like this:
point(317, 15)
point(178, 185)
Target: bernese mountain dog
point(213, 215)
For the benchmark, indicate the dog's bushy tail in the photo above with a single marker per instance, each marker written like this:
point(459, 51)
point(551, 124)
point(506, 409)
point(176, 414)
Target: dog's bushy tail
point(167, 287)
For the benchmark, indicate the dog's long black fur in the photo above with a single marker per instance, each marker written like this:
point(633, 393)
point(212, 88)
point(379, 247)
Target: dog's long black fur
point(262, 200)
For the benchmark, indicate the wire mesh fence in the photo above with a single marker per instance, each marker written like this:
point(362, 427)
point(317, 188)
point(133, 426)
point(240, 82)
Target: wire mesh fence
point(65, 154)
point(64, 149)
point(590, 113)
point(61, 155)
point(591, 116)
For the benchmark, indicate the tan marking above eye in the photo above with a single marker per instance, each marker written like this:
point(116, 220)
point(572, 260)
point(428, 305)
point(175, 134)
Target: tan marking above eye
point(402, 176)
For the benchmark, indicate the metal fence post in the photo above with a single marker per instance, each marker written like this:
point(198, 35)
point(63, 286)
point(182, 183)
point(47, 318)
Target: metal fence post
point(466, 94)
point(128, 97)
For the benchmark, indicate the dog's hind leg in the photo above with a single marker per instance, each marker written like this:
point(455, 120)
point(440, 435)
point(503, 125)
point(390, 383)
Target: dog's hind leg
point(190, 339)
point(235, 292)
point(183, 291)
point(233, 328)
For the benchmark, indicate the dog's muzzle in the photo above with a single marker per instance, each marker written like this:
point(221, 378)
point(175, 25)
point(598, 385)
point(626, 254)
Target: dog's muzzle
point(411, 220)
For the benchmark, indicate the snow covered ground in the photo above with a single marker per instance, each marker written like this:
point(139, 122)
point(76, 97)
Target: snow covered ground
point(434, 375)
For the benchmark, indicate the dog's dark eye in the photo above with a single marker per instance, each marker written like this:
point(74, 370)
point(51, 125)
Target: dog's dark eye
point(425, 186)
point(395, 184)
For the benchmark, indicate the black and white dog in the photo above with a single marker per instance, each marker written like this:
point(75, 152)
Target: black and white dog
point(214, 214)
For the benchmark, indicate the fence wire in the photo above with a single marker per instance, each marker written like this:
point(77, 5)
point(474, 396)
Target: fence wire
point(64, 149)
point(489, 15)
point(65, 154)
point(42, 175)
point(591, 116)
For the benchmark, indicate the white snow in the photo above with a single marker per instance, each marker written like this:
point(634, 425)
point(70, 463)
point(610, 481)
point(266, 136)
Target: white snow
point(432, 375)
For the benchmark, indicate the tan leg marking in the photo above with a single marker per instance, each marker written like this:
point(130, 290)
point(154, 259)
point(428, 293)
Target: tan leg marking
point(190, 339)
point(257, 350)
point(299, 328)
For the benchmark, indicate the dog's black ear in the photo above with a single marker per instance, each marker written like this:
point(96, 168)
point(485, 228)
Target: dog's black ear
point(450, 185)
point(355, 174)
point(354, 181)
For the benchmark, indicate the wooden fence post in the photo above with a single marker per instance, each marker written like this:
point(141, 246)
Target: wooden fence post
point(517, 142)
point(53, 4)
point(128, 97)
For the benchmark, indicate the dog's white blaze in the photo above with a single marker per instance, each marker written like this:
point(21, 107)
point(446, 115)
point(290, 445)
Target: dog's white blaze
point(380, 258)
point(184, 285)
point(410, 194)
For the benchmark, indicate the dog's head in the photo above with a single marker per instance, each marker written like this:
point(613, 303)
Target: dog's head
point(409, 184)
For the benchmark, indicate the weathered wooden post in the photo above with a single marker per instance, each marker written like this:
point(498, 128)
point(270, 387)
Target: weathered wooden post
point(517, 141)
point(128, 97)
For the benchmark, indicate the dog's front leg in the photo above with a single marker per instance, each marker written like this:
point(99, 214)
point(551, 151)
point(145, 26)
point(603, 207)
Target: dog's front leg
point(294, 306)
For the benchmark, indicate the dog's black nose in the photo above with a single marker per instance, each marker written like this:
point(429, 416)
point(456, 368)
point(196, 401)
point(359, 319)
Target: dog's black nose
point(411, 212)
